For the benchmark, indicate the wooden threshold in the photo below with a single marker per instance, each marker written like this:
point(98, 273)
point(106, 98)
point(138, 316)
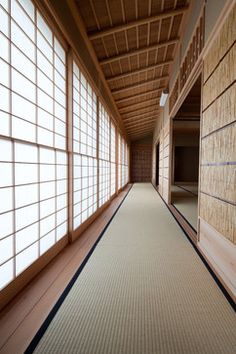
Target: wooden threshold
point(192, 234)
point(23, 316)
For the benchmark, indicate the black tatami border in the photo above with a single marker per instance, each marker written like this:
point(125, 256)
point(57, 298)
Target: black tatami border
point(33, 344)
point(214, 276)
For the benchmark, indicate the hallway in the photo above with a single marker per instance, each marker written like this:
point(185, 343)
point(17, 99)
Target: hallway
point(143, 290)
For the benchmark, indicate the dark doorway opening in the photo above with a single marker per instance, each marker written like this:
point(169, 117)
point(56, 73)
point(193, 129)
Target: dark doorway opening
point(157, 163)
point(185, 156)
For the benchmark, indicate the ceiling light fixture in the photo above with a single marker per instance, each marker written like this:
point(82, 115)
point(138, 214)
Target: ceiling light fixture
point(163, 98)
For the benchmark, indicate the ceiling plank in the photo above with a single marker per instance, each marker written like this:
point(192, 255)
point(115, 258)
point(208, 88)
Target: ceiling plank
point(141, 118)
point(139, 103)
point(139, 130)
point(138, 22)
point(139, 123)
point(137, 51)
point(139, 84)
point(144, 127)
point(139, 71)
point(138, 95)
point(139, 109)
point(155, 111)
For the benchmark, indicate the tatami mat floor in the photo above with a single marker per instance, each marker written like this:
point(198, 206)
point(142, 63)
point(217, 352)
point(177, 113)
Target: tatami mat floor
point(143, 290)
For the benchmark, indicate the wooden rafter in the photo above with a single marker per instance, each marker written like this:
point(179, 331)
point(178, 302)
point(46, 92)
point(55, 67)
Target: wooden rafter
point(137, 22)
point(140, 84)
point(132, 130)
point(136, 124)
point(134, 119)
point(138, 130)
point(137, 51)
point(139, 103)
point(138, 95)
point(139, 71)
point(141, 108)
point(125, 118)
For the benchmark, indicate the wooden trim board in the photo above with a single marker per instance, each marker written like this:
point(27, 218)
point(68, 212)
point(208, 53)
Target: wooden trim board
point(220, 254)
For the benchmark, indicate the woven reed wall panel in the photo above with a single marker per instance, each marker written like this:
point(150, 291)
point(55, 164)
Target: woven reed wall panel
point(167, 140)
point(166, 172)
point(221, 79)
point(223, 110)
point(222, 44)
point(220, 147)
point(220, 215)
point(166, 162)
point(141, 162)
point(220, 180)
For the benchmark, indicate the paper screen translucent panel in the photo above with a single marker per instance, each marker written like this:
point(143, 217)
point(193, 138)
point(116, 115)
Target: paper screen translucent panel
point(104, 156)
point(113, 159)
point(33, 168)
point(85, 148)
point(119, 161)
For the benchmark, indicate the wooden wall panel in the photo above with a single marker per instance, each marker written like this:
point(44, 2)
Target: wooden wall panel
point(141, 162)
point(217, 200)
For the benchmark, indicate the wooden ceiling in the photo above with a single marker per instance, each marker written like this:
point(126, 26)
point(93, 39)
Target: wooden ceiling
point(134, 41)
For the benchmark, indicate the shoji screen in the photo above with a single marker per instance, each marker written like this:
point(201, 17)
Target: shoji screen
point(104, 156)
point(119, 161)
point(33, 159)
point(123, 151)
point(126, 164)
point(84, 147)
point(113, 159)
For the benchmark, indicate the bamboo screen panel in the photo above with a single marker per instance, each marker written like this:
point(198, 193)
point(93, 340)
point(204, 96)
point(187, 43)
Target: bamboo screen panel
point(218, 152)
point(33, 160)
point(84, 148)
point(104, 156)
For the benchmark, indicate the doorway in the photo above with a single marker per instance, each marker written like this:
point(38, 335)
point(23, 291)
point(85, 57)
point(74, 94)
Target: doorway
point(185, 156)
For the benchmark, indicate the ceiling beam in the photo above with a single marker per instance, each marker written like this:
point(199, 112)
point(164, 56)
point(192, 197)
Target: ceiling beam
point(137, 51)
point(139, 132)
point(141, 114)
point(138, 71)
point(139, 123)
point(139, 119)
point(139, 103)
point(140, 109)
point(138, 22)
point(143, 83)
point(136, 131)
point(138, 95)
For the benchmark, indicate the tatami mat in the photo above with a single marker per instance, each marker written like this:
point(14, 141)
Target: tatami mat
point(144, 290)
